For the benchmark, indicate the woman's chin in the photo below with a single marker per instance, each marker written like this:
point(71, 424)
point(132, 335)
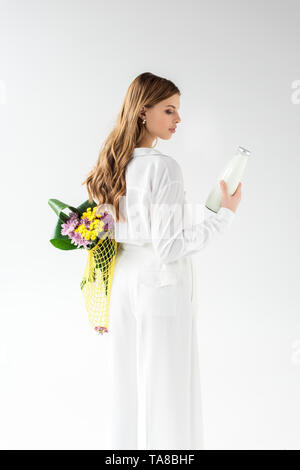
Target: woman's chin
point(169, 135)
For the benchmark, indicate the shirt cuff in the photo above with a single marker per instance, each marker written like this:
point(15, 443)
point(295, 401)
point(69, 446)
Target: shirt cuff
point(226, 214)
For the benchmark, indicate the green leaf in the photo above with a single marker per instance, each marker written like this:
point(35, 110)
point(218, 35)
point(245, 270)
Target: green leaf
point(63, 242)
point(83, 207)
point(58, 208)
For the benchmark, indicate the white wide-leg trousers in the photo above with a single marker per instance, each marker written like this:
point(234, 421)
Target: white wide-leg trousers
point(155, 395)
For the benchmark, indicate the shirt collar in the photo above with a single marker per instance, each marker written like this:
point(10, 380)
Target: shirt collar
point(143, 151)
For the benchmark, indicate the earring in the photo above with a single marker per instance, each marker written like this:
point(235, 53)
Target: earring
point(144, 121)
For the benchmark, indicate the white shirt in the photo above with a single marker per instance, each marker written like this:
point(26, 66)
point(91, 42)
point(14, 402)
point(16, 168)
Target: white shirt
point(154, 206)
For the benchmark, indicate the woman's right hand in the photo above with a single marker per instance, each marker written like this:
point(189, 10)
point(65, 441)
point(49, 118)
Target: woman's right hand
point(231, 202)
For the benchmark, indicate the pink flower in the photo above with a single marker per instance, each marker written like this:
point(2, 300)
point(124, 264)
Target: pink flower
point(108, 221)
point(70, 224)
point(101, 329)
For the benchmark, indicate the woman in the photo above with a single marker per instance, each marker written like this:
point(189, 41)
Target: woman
point(153, 350)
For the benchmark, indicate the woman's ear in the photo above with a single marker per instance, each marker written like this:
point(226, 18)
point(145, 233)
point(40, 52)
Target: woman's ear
point(142, 113)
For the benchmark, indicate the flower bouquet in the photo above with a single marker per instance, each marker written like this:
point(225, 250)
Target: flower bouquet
point(88, 228)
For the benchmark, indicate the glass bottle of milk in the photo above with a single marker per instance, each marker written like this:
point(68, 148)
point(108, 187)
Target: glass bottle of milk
point(232, 174)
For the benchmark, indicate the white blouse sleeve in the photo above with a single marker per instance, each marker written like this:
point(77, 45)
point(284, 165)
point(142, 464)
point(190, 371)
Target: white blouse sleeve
point(171, 240)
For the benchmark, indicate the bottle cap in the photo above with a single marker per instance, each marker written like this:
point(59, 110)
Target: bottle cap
point(244, 151)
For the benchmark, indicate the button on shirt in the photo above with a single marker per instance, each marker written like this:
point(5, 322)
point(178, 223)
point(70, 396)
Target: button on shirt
point(155, 206)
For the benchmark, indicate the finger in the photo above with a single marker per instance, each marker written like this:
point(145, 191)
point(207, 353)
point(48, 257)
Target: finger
point(223, 185)
point(237, 191)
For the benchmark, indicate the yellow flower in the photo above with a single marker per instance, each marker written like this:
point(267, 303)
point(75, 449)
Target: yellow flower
point(79, 228)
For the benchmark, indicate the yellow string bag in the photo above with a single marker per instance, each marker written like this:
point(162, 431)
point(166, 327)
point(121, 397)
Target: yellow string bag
point(97, 280)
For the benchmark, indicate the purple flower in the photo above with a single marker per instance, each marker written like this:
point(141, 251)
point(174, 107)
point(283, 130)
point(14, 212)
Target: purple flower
point(86, 222)
point(70, 224)
point(77, 239)
point(108, 221)
point(101, 329)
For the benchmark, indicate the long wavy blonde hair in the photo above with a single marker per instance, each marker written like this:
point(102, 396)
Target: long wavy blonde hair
point(106, 181)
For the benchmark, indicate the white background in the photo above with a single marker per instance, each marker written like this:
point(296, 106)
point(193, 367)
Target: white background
point(65, 68)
